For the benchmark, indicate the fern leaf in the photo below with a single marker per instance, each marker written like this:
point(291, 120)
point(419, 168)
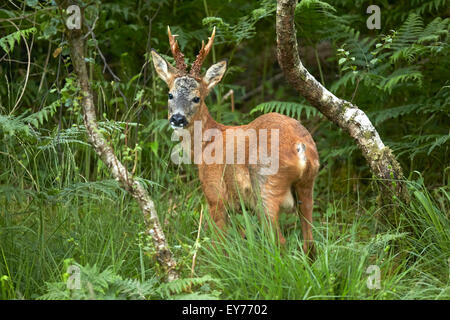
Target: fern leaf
point(290, 109)
point(435, 30)
point(408, 33)
point(402, 75)
point(439, 142)
point(8, 42)
point(392, 113)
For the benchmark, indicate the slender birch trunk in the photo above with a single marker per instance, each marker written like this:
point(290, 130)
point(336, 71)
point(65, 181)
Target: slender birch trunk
point(106, 153)
point(347, 116)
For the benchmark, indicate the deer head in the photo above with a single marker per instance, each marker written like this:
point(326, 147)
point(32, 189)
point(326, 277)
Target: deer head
point(187, 91)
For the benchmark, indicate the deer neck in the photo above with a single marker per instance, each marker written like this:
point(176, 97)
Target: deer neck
point(207, 122)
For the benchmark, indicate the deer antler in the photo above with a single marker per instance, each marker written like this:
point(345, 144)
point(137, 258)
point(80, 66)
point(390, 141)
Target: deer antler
point(176, 52)
point(197, 65)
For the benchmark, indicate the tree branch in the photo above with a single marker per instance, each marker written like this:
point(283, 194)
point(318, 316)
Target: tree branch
point(341, 112)
point(117, 169)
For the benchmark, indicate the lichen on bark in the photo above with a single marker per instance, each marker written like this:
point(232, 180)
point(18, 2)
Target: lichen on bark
point(347, 116)
point(106, 153)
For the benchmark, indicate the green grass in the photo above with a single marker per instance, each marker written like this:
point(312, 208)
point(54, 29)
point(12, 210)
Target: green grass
point(59, 206)
point(413, 265)
point(97, 224)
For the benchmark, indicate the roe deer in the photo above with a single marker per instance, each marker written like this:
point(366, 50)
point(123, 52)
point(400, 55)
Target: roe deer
point(223, 181)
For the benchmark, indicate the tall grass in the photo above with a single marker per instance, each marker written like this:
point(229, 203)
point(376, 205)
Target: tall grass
point(58, 206)
point(97, 224)
point(413, 265)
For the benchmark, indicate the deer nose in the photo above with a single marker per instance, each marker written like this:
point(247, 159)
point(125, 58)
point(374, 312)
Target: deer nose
point(178, 120)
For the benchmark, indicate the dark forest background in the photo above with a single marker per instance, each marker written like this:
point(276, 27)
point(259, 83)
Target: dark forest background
point(60, 207)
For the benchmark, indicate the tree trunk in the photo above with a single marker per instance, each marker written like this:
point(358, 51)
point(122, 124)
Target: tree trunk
point(117, 169)
point(347, 116)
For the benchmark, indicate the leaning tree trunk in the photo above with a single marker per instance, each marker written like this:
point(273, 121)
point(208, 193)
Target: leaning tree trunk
point(347, 116)
point(106, 153)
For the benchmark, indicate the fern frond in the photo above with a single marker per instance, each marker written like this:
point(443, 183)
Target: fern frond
point(435, 30)
point(421, 144)
point(440, 141)
point(429, 6)
point(94, 190)
point(8, 42)
point(136, 290)
point(381, 116)
point(408, 33)
point(196, 296)
point(290, 109)
point(315, 19)
point(347, 80)
point(402, 75)
point(339, 152)
point(10, 125)
point(176, 287)
point(38, 118)
point(245, 26)
point(72, 135)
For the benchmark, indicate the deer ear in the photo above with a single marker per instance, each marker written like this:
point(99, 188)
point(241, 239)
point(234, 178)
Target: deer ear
point(164, 69)
point(215, 73)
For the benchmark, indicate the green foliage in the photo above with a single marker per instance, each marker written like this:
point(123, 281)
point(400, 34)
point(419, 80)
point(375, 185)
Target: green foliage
point(8, 42)
point(242, 29)
point(11, 125)
point(314, 18)
point(107, 285)
point(399, 79)
point(260, 269)
point(38, 118)
point(291, 109)
point(57, 198)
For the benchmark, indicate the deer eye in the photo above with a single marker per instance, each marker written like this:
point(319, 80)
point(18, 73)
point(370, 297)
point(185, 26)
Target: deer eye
point(170, 96)
point(196, 99)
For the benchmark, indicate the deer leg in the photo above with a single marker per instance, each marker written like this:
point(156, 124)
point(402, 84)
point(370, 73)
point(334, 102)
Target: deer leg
point(272, 206)
point(215, 194)
point(218, 214)
point(305, 195)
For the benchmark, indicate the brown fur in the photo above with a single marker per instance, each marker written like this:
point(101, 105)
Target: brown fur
point(222, 184)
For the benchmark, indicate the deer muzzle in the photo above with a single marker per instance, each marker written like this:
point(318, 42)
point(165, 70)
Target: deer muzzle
point(178, 121)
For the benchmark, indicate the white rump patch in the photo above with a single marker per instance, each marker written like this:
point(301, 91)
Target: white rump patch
point(301, 151)
point(288, 201)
